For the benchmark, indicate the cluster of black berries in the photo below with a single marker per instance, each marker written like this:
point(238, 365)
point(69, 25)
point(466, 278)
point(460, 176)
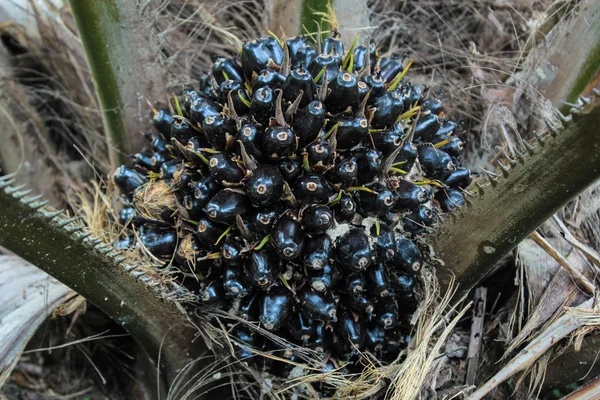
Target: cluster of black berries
point(288, 185)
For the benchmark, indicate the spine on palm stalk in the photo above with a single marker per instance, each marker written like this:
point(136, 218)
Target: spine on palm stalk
point(293, 186)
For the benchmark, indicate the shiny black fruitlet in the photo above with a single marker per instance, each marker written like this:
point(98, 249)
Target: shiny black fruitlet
point(344, 209)
point(316, 219)
point(265, 185)
point(293, 189)
point(353, 250)
point(316, 305)
point(324, 279)
point(226, 205)
point(275, 308)
point(287, 236)
point(263, 266)
point(317, 250)
point(301, 328)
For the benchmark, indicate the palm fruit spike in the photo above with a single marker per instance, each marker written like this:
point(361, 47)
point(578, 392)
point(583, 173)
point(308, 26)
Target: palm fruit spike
point(296, 179)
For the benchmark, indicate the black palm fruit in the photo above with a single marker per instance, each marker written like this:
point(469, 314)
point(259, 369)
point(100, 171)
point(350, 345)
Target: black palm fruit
point(265, 185)
point(388, 108)
point(262, 106)
point(327, 62)
point(233, 250)
point(269, 78)
point(205, 189)
point(370, 164)
point(275, 308)
point(316, 305)
point(436, 163)
point(263, 219)
point(256, 56)
point(234, 282)
point(250, 136)
point(278, 142)
point(287, 236)
point(160, 242)
point(291, 169)
point(344, 93)
point(224, 169)
point(227, 69)
point(312, 189)
point(353, 250)
point(219, 131)
point(319, 155)
point(317, 250)
point(345, 209)
point(426, 127)
point(459, 179)
point(301, 328)
point(324, 279)
point(317, 218)
point(304, 57)
point(226, 204)
point(162, 121)
point(377, 201)
point(350, 132)
point(263, 266)
point(309, 122)
point(388, 141)
point(127, 180)
point(289, 196)
point(208, 232)
point(295, 43)
point(350, 330)
point(344, 173)
point(299, 80)
point(450, 199)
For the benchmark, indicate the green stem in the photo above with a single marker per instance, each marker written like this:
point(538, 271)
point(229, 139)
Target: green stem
point(507, 210)
point(121, 52)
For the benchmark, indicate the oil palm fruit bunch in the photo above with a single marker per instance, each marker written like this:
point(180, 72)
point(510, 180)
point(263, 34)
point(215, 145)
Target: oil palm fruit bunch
point(292, 186)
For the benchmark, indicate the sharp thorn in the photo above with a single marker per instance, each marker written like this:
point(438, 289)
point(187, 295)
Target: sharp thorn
point(7, 177)
point(51, 214)
point(6, 183)
point(95, 241)
point(528, 147)
point(73, 229)
point(596, 92)
point(22, 193)
point(28, 200)
point(585, 100)
point(145, 278)
point(84, 236)
point(13, 189)
point(119, 260)
point(38, 204)
point(540, 139)
point(129, 267)
point(138, 274)
point(481, 192)
point(492, 178)
point(104, 250)
point(65, 222)
point(505, 170)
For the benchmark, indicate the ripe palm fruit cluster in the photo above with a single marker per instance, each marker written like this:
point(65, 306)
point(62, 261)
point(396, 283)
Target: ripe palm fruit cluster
point(293, 185)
